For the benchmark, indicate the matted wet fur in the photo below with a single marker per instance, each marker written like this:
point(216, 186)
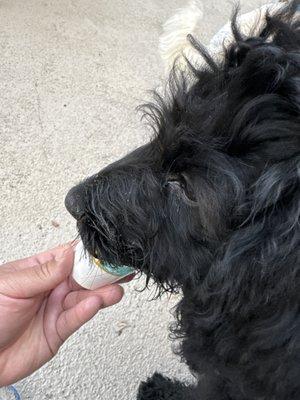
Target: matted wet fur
point(210, 207)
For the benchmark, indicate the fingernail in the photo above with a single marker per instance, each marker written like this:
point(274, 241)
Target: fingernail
point(63, 251)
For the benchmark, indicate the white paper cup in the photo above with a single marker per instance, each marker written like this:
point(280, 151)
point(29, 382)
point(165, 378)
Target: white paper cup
point(91, 273)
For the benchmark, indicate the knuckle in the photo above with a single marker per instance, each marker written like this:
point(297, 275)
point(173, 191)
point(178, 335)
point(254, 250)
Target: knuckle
point(44, 271)
point(77, 317)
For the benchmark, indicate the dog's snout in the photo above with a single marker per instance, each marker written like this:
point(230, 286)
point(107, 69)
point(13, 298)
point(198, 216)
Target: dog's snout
point(74, 202)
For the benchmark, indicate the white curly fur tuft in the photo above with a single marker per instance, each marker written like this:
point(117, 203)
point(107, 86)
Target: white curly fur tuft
point(173, 43)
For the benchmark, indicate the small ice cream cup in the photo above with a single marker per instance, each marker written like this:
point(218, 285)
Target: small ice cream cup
point(91, 273)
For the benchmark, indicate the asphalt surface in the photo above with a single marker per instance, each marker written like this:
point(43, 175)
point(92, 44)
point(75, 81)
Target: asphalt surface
point(71, 74)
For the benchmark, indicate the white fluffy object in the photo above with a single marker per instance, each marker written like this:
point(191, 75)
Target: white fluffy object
point(175, 46)
point(173, 43)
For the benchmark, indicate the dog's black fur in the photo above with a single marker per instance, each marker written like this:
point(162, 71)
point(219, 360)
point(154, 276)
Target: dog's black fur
point(210, 207)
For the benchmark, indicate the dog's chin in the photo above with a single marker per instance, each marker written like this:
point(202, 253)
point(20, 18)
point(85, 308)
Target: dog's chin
point(159, 277)
point(99, 246)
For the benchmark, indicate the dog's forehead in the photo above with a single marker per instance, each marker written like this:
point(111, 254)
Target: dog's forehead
point(159, 154)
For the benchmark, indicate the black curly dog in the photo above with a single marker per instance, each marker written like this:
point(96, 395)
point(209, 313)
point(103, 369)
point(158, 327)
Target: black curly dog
point(210, 207)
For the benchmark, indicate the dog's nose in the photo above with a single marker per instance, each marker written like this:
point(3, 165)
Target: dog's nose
point(74, 202)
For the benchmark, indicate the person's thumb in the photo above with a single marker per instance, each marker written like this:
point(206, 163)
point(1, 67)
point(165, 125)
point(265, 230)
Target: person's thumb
point(38, 279)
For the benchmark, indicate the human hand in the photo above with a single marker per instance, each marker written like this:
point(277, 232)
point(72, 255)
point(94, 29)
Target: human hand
point(40, 307)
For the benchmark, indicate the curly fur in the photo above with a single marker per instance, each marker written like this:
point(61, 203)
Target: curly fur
point(211, 207)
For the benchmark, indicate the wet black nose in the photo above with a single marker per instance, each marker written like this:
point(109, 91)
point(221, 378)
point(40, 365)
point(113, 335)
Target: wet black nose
point(74, 202)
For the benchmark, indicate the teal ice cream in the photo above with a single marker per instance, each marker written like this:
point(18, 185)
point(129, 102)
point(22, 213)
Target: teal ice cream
point(92, 273)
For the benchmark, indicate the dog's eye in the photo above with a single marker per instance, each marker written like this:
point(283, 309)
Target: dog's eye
point(180, 182)
point(176, 180)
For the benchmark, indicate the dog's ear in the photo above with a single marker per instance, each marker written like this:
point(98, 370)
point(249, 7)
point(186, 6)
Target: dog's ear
point(260, 263)
point(276, 206)
point(271, 232)
point(246, 310)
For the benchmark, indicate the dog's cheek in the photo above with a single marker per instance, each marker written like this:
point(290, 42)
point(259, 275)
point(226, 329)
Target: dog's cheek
point(178, 255)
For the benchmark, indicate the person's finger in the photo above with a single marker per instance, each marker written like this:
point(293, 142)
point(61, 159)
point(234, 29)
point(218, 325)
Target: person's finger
point(109, 294)
point(38, 259)
point(35, 280)
point(53, 310)
point(71, 320)
point(55, 252)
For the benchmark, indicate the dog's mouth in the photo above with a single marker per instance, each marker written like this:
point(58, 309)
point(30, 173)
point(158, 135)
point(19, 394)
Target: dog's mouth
point(93, 253)
point(90, 240)
point(101, 247)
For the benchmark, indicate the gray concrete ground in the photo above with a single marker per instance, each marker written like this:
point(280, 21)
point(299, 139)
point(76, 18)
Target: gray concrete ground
point(71, 74)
